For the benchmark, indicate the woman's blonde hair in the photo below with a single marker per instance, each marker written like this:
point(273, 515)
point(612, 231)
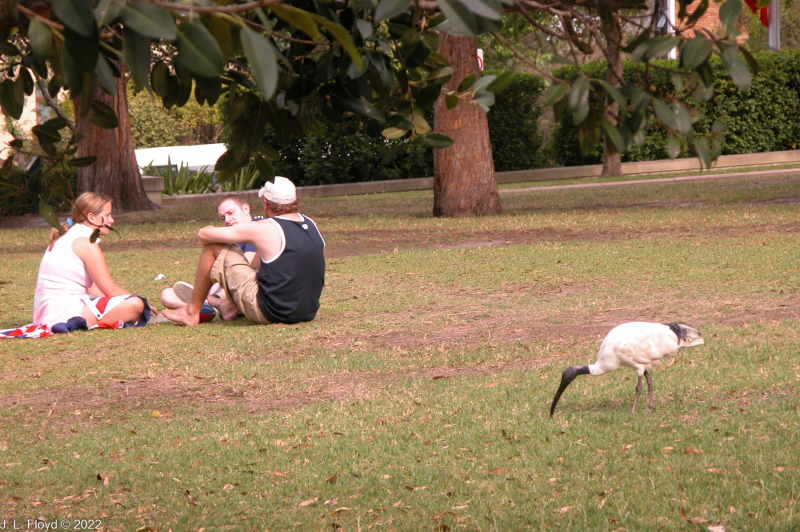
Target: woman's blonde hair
point(88, 202)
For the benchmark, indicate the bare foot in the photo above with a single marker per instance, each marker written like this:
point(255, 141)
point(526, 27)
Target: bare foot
point(182, 316)
point(227, 310)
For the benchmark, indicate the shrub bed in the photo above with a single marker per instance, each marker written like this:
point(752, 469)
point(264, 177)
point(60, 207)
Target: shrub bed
point(762, 120)
point(352, 153)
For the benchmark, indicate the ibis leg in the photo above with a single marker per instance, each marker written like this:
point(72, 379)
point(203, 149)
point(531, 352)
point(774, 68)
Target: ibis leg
point(649, 390)
point(638, 391)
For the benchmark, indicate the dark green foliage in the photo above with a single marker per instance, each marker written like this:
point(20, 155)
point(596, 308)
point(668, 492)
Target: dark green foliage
point(762, 120)
point(20, 195)
point(514, 124)
point(348, 155)
point(352, 153)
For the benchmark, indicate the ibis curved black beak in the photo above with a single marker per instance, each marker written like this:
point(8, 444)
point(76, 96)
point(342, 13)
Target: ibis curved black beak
point(566, 378)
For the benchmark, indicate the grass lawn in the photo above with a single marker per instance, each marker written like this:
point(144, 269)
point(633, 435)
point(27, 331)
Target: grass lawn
point(419, 397)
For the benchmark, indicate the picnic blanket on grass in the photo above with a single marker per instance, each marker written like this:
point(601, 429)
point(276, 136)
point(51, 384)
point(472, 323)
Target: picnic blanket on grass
point(99, 306)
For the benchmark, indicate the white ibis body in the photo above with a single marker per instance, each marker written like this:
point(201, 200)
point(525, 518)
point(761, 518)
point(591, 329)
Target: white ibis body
point(638, 345)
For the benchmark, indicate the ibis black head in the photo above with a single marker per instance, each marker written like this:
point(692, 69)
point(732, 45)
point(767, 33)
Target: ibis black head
point(567, 377)
point(687, 337)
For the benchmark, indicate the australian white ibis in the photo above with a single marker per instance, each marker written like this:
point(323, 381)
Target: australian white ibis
point(638, 345)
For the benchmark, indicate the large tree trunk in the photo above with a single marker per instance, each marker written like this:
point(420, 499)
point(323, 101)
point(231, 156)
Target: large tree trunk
point(464, 183)
point(609, 23)
point(115, 172)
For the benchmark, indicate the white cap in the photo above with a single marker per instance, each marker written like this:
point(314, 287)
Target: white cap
point(282, 191)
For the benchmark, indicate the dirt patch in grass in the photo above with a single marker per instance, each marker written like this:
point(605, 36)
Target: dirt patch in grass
point(345, 243)
point(117, 398)
point(348, 243)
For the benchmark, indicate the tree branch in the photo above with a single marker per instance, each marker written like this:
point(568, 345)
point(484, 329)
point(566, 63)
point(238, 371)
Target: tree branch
point(50, 102)
point(535, 23)
point(215, 9)
point(46, 21)
point(524, 59)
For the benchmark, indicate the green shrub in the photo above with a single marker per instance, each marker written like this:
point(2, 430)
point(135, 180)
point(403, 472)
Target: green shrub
point(514, 124)
point(762, 120)
point(20, 195)
point(351, 152)
point(183, 181)
point(15, 196)
point(347, 154)
point(153, 126)
point(246, 178)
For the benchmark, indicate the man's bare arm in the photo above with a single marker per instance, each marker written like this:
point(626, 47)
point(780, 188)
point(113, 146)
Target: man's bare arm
point(223, 235)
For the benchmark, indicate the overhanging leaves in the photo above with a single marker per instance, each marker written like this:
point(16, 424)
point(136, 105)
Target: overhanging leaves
point(262, 60)
point(105, 76)
point(701, 148)
point(198, 50)
point(555, 93)
point(433, 140)
point(160, 79)
point(149, 20)
point(503, 81)
point(46, 134)
point(81, 162)
point(393, 132)
point(673, 146)
point(76, 15)
point(661, 46)
point(614, 135)
point(343, 37)
point(40, 38)
point(488, 9)
point(47, 212)
point(729, 13)
point(389, 8)
point(683, 120)
point(738, 70)
point(665, 114)
point(589, 133)
point(460, 16)
point(695, 52)
point(136, 49)
point(103, 115)
point(698, 12)
point(107, 10)
point(579, 100)
point(615, 95)
point(299, 18)
point(12, 99)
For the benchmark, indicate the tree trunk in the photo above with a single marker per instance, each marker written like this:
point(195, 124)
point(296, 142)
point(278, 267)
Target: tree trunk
point(115, 172)
point(609, 23)
point(464, 183)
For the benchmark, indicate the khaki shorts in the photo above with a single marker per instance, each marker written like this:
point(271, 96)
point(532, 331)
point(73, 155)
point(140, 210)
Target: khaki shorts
point(238, 278)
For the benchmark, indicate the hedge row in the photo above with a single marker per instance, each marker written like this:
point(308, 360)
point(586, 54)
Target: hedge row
point(762, 120)
point(20, 195)
point(353, 153)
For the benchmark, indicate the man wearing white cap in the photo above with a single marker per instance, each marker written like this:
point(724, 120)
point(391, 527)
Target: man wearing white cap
point(282, 284)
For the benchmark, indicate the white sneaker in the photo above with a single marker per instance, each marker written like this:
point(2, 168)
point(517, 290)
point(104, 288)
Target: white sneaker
point(183, 291)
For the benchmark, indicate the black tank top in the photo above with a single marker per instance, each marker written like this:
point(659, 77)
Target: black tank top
point(289, 286)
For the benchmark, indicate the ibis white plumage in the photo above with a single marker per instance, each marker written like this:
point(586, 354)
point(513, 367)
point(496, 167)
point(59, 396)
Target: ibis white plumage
point(638, 345)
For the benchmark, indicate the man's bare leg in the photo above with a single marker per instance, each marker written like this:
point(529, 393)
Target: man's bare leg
point(227, 310)
point(190, 314)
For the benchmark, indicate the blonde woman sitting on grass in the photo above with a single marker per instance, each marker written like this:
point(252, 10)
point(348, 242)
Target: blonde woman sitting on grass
point(74, 289)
